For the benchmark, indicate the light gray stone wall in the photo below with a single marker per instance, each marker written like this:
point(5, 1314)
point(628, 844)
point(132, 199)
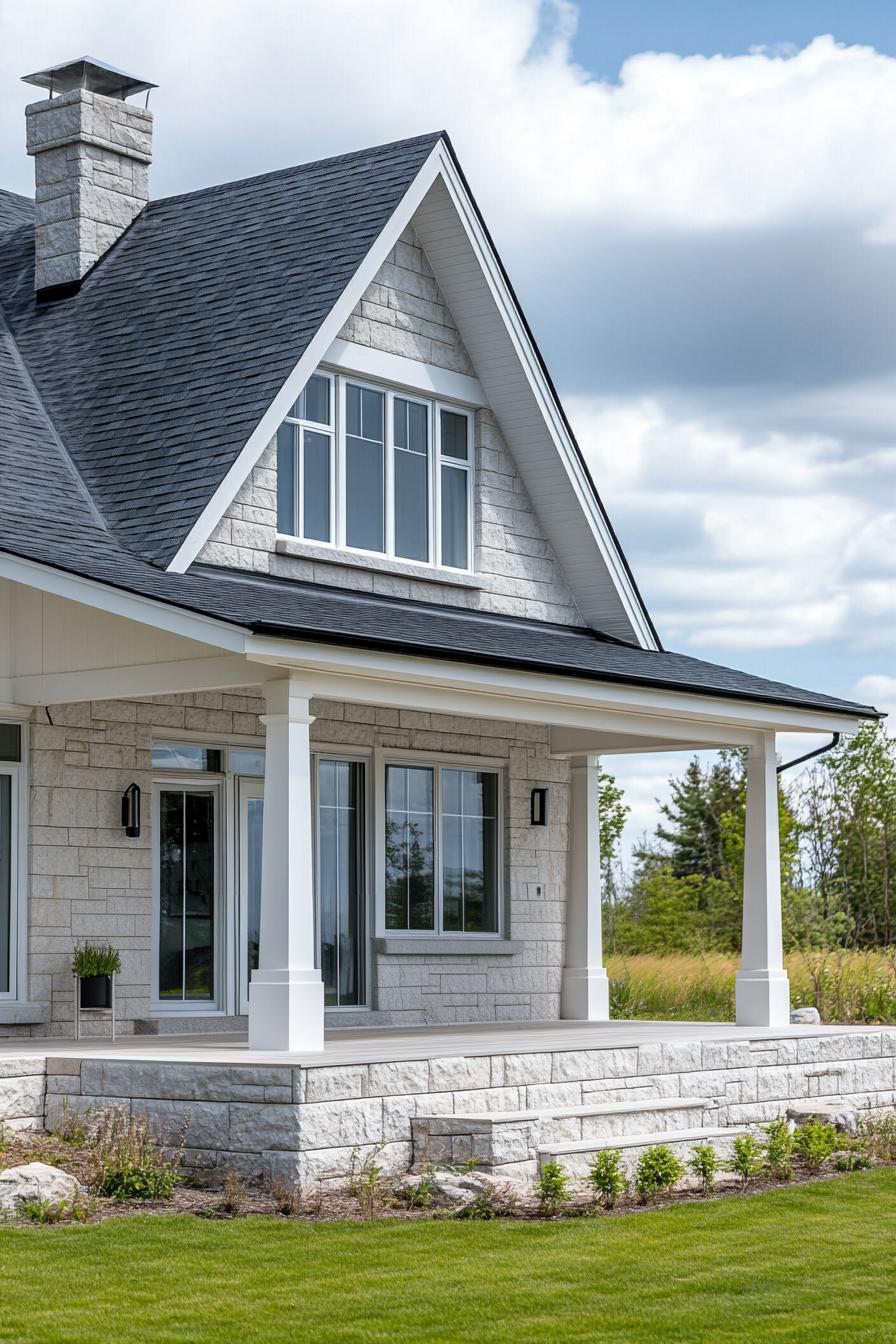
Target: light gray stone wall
point(91, 167)
point(89, 881)
point(312, 1123)
point(403, 312)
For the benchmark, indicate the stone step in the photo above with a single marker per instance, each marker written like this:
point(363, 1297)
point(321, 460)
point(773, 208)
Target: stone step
point(499, 1140)
point(576, 1157)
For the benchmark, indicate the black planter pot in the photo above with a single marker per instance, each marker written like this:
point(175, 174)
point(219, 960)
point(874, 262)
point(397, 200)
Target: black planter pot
point(96, 991)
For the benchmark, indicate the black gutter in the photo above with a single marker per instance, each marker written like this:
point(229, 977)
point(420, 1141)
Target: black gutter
point(810, 755)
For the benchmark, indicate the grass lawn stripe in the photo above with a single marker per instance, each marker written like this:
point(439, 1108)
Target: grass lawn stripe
point(812, 1263)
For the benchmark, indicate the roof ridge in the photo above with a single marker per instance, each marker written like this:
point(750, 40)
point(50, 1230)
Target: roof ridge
point(19, 361)
point(431, 136)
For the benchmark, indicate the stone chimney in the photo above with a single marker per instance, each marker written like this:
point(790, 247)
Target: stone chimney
point(92, 151)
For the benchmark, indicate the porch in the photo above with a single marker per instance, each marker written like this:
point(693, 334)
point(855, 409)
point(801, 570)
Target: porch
point(509, 1095)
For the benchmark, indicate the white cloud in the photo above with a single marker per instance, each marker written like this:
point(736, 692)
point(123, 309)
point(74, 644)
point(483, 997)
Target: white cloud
point(741, 540)
point(878, 690)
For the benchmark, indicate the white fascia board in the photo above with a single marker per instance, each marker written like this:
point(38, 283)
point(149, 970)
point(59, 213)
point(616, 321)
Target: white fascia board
point(349, 357)
point(547, 403)
point(313, 356)
point(118, 602)
point(415, 681)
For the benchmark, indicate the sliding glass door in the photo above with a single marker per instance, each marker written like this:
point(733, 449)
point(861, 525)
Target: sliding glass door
point(7, 877)
point(188, 858)
point(342, 880)
point(250, 809)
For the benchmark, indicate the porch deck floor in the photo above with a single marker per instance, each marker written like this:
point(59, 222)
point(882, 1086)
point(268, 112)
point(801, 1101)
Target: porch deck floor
point(371, 1045)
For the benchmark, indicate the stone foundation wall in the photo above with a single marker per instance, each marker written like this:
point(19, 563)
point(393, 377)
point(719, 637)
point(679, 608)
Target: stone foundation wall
point(306, 1123)
point(22, 1092)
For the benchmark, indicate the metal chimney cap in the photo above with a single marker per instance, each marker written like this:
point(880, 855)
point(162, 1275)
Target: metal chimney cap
point(86, 72)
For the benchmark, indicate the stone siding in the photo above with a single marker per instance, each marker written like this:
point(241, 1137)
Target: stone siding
point(313, 1122)
point(403, 312)
point(90, 881)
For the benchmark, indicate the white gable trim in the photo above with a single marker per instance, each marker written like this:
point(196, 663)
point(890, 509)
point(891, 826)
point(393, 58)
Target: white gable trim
point(440, 166)
point(314, 355)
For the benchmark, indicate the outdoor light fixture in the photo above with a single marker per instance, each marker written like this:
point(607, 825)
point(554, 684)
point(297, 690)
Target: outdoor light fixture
point(539, 808)
point(130, 811)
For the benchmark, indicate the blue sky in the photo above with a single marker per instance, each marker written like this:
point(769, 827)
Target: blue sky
point(697, 204)
point(609, 31)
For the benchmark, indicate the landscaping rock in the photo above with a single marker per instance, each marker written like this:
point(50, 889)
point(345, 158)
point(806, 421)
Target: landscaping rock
point(35, 1180)
point(836, 1113)
point(456, 1187)
point(805, 1017)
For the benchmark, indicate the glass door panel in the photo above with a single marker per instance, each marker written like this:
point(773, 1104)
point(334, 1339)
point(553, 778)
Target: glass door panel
point(6, 877)
point(341, 881)
point(188, 879)
point(250, 793)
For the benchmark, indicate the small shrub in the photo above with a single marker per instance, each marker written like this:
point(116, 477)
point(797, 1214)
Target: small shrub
point(606, 1177)
point(552, 1187)
point(852, 1161)
point(126, 1162)
point(747, 1160)
point(877, 1134)
point(657, 1171)
point(422, 1193)
point(234, 1194)
point(704, 1164)
point(42, 1211)
point(366, 1182)
point(72, 1127)
point(90, 959)
point(779, 1150)
point(287, 1197)
point(481, 1208)
point(814, 1142)
point(4, 1137)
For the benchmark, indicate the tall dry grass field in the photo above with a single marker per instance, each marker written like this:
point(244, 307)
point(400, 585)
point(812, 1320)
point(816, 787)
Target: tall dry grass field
point(846, 987)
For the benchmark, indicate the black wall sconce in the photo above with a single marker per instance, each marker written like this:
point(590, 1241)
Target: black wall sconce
point(538, 815)
point(130, 811)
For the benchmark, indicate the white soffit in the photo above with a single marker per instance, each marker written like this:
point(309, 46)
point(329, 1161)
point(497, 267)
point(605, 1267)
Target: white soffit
point(508, 367)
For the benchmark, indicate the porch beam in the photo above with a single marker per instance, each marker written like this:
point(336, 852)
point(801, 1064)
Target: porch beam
point(762, 989)
point(412, 681)
point(286, 993)
point(585, 989)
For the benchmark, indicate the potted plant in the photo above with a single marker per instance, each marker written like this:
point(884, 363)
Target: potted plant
point(94, 964)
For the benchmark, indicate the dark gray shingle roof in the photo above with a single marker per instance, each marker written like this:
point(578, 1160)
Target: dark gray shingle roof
point(157, 371)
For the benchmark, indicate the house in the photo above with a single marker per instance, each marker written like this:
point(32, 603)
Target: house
point(296, 538)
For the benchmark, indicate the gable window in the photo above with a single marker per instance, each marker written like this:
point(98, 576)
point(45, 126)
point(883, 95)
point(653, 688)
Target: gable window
point(442, 849)
point(305, 463)
point(375, 470)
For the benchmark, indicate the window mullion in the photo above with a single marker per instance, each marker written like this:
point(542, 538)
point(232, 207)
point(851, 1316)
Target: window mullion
point(339, 490)
point(299, 491)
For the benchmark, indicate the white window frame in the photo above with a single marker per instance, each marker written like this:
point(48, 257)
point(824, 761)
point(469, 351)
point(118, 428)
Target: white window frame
point(435, 460)
point(299, 465)
point(437, 763)
point(18, 868)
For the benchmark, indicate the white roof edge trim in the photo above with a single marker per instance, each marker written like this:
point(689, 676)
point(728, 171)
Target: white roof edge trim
point(548, 404)
point(314, 354)
point(118, 602)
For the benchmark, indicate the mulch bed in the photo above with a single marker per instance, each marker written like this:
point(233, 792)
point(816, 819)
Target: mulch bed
point(328, 1203)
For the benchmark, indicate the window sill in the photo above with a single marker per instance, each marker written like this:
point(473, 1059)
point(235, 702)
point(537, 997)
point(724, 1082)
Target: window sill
point(377, 564)
point(18, 1014)
point(447, 947)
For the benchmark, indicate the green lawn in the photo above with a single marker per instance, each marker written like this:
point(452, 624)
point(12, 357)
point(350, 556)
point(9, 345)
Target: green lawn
point(814, 1262)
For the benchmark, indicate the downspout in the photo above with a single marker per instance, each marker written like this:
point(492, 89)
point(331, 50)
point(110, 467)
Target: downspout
point(810, 755)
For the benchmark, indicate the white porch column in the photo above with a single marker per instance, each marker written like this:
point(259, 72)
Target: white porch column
point(585, 989)
point(286, 993)
point(763, 990)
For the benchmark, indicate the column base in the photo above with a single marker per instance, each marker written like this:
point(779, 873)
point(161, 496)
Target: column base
point(286, 1012)
point(585, 994)
point(762, 999)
